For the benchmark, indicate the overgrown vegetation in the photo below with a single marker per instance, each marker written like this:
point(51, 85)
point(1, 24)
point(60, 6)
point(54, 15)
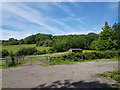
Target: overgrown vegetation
point(60, 58)
point(115, 75)
point(80, 57)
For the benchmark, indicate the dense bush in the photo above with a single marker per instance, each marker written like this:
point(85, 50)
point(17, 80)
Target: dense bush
point(26, 51)
point(5, 52)
point(88, 56)
point(40, 52)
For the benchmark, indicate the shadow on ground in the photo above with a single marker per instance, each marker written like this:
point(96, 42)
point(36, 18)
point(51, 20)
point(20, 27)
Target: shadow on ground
point(79, 84)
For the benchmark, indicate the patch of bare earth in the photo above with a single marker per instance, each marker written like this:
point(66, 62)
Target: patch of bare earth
point(79, 75)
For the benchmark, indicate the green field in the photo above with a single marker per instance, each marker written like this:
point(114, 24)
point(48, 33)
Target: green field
point(15, 48)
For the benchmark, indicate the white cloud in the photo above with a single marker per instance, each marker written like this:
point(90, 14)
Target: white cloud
point(43, 6)
point(6, 34)
point(113, 5)
point(43, 23)
point(70, 12)
point(64, 8)
point(30, 15)
point(82, 32)
point(74, 18)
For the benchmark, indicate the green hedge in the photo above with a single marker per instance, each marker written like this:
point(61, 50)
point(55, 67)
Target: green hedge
point(88, 56)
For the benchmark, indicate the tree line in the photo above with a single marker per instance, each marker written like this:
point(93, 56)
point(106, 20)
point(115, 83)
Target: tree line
point(107, 39)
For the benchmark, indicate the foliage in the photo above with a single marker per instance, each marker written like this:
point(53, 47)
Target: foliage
point(46, 43)
point(105, 40)
point(116, 36)
point(65, 42)
point(59, 46)
point(11, 54)
point(37, 37)
point(28, 40)
point(51, 50)
point(5, 52)
point(87, 56)
point(26, 51)
point(93, 45)
point(10, 42)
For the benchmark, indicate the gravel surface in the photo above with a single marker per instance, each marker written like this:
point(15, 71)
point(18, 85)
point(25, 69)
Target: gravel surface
point(79, 75)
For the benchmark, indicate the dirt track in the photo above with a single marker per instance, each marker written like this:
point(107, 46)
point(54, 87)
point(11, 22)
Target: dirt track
point(80, 75)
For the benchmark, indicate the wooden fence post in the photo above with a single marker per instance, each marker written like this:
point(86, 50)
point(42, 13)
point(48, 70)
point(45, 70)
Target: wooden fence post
point(6, 61)
point(23, 57)
point(31, 60)
point(48, 59)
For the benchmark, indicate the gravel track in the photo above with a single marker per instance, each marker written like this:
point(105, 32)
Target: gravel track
point(79, 75)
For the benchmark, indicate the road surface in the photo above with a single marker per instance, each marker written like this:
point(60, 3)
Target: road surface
point(79, 75)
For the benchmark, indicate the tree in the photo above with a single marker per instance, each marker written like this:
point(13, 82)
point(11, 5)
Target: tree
point(12, 39)
point(116, 30)
point(30, 39)
point(21, 41)
point(60, 46)
point(105, 40)
point(93, 44)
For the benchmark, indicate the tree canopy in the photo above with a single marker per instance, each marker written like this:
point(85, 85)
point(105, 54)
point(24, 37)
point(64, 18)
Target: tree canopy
point(107, 39)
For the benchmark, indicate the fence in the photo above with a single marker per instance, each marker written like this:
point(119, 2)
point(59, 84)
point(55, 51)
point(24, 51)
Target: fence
point(11, 61)
point(44, 59)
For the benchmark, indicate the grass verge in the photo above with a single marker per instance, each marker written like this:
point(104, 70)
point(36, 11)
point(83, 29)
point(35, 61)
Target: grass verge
point(73, 62)
point(115, 75)
point(59, 63)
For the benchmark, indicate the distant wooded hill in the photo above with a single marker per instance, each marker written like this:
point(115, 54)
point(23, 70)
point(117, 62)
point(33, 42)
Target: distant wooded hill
point(107, 39)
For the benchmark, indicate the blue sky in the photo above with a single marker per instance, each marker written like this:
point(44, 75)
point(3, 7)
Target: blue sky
point(20, 19)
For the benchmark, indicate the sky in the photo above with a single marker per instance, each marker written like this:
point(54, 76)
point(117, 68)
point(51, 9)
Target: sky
point(21, 19)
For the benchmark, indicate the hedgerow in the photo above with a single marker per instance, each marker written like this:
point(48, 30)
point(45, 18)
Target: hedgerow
point(88, 56)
